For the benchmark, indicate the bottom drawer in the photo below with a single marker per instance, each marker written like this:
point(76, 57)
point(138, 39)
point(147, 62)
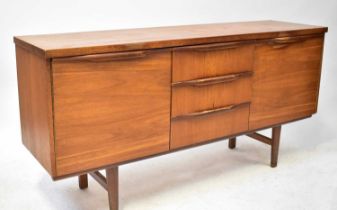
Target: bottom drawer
point(206, 125)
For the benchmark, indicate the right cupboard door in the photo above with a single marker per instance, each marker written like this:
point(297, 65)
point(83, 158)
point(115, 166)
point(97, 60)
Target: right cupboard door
point(286, 80)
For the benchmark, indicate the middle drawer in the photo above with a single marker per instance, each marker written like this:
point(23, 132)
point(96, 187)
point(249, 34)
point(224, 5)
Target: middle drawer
point(209, 108)
point(210, 93)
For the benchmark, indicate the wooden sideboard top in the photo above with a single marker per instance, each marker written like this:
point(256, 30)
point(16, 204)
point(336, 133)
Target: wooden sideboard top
point(83, 43)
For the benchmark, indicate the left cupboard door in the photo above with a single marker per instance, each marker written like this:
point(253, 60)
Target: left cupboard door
point(110, 108)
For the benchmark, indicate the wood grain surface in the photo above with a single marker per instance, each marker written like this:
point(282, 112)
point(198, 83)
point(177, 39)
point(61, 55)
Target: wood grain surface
point(35, 96)
point(107, 111)
point(286, 80)
point(83, 43)
point(187, 99)
point(195, 130)
point(200, 63)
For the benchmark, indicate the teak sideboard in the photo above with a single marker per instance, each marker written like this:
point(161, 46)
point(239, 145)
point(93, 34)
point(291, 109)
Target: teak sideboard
point(97, 100)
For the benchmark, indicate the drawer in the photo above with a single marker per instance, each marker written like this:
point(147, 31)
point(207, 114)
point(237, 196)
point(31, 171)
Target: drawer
point(110, 108)
point(202, 126)
point(202, 61)
point(209, 93)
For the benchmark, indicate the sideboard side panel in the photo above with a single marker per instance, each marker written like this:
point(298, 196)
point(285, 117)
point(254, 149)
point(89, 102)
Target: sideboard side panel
point(35, 96)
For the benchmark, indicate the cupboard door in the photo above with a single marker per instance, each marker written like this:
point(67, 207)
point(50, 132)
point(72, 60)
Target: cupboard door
point(286, 80)
point(110, 108)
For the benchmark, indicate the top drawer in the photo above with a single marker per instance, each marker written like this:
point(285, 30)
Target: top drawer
point(211, 60)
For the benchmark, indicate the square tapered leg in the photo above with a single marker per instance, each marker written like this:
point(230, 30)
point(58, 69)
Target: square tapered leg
point(83, 181)
point(112, 187)
point(275, 143)
point(232, 143)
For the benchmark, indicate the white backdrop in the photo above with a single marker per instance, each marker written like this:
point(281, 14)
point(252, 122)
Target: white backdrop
point(203, 178)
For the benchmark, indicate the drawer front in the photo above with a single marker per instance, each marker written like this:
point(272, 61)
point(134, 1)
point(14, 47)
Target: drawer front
point(286, 80)
point(198, 127)
point(211, 60)
point(210, 93)
point(110, 108)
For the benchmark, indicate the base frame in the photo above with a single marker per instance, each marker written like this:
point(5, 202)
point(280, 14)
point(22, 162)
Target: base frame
point(274, 142)
point(110, 182)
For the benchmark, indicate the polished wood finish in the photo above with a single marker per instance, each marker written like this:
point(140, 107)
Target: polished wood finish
point(286, 80)
point(83, 181)
point(192, 64)
point(97, 100)
point(35, 96)
point(190, 98)
point(213, 80)
point(193, 130)
point(171, 151)
point(232, 143)
point(84, 43)
point(112, 183)
point(97, 58)
point(210, 111)
point(105, 112)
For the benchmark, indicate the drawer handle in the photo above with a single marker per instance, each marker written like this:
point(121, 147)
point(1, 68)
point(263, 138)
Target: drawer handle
point(211, 111)
point(216, 46)
point(213, 80)
point(105, 57)
point(285, 41)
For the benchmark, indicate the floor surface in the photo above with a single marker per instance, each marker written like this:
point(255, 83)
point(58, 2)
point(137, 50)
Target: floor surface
point(208, 177)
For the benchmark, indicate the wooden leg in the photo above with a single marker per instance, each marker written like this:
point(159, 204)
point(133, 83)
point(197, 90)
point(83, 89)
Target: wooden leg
point(83, 181)
point(275, 143)
point(232, 143)
point(112, 185)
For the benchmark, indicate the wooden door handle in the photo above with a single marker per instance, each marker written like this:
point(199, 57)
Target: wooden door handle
point(285, 41)
point(106, 57)
point(213, 80)
point(211, 111)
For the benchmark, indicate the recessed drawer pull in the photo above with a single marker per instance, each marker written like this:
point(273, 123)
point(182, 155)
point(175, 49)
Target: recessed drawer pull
point(285, 41)
point(216, 46)
point(106, 57)
point(213, 80)
point(211, 111)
